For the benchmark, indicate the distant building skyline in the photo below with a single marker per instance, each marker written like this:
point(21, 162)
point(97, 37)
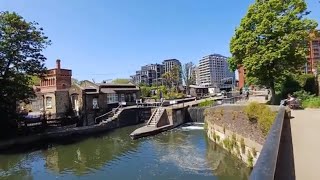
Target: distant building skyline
point(151, 74)
point(214, 70)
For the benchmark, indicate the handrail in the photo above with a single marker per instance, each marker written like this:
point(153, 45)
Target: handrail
point(265, 166)
point(108, 113)
point(154, 113)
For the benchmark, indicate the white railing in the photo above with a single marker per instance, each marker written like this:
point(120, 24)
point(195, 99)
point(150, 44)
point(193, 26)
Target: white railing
point(154, 113)
point(101, 117)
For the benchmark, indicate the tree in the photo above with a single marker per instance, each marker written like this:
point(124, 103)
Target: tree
point(173, 77)
point(21, 45)
point(188, 75)
point(272, 39)
point(121, 81)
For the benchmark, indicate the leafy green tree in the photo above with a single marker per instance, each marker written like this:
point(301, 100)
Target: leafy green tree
point(173, 77)
point(121, 81)
point(188, 75)
point(21, 45)
point(272, 39)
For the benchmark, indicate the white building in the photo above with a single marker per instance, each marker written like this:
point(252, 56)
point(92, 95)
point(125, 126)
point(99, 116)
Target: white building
point(214, 72)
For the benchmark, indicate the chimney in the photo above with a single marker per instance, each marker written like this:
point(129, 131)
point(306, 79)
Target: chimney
point(58, 64)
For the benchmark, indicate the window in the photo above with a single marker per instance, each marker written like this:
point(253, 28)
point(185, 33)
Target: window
point(112, 98)
point(122, 99)
point(95, 103)
point(48, 102)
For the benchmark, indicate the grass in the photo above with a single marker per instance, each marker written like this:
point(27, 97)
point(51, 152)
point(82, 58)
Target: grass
point(313, 102)
point(206, 103)
point(262, 114)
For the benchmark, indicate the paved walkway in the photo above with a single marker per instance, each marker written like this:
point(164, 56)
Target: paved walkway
point(305, 128)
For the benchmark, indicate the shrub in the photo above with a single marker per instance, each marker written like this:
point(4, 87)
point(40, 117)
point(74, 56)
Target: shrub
point(173, 95)
point(253, 110)
point(227, 144)
point(313, 102)
point(145, 91)
point(262, 114)
point(265, 120)
point(303, 95)
point(206, 103)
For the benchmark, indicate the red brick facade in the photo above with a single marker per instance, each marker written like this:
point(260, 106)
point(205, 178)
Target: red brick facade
point(242, 74)
point(313, 57)
point(56, 79)
point(53, 92)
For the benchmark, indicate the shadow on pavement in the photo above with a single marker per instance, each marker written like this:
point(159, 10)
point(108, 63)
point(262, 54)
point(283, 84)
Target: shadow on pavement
point(285, 163)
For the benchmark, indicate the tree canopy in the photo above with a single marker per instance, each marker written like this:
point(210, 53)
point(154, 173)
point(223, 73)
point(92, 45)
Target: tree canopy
point(172, 78)
point(21, 58)
point(272, 40)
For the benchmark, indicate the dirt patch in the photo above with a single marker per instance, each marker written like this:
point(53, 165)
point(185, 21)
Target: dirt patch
point(235, 119)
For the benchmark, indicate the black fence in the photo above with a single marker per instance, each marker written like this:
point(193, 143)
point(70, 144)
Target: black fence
point(266, 165)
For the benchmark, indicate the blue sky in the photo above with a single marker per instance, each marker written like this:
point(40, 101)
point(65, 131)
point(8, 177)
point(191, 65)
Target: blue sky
point(106, 39)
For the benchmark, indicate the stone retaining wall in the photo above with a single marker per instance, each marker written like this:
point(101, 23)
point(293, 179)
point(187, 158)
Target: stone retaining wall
point(232, 136)
point(244, 148)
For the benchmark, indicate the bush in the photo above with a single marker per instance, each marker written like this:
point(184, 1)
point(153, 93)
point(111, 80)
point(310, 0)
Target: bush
point(303, 95)
point(308, 100)
point(253, 110)
point(265, 120)
point(262, 114)
point(145, 91)
point(313, 102)
point(206, 103)
point(174, 95)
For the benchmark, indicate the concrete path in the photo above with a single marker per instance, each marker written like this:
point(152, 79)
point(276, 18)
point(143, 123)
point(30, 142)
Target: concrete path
point(305, 128)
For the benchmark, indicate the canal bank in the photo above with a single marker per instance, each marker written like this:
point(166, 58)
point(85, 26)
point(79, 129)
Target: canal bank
point(127, 117)
point(182, 153)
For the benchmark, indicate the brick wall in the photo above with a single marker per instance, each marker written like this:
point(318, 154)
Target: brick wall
point(63, 104)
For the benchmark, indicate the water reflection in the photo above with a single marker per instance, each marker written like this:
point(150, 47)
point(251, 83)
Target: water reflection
point(184, 153)
point(224, 165)
point(90, 155)
point(193, 153)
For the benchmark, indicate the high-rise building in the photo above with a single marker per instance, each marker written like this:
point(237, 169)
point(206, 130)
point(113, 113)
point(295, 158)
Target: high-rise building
point(170, 63)
point(197, 75)
point(150, 74)
point(214, 72)
point(313, 57)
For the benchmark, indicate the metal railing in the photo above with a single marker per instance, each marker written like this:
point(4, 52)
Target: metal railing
point(154, 113)
point(265, 167)
point(103, 116)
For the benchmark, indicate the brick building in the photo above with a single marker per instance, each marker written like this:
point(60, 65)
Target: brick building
point(52, 95)
point(95, 99)
point(242, 75)
point(313, 57)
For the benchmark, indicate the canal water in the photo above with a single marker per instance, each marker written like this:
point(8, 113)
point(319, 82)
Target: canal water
point(183, 153)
